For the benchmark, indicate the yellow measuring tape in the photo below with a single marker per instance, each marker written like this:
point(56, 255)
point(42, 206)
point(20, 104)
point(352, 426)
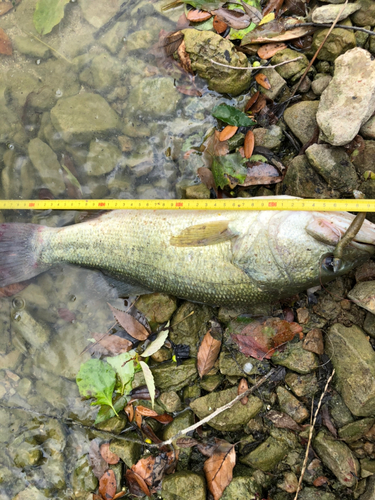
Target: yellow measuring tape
point(329, 205)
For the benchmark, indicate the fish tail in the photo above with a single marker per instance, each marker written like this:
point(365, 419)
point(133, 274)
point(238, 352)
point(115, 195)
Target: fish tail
point(19, 253)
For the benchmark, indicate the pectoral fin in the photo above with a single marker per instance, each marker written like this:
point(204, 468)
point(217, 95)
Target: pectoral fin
point(202, 235)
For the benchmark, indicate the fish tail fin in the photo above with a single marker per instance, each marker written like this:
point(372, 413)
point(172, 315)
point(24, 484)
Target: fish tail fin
point(19, 252)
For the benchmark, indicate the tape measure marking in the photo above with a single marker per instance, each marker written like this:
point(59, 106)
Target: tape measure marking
point(329, 205)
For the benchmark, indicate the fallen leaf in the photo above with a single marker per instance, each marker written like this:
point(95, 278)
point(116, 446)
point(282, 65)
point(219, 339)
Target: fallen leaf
point(206, 176)
point(107, 485)
point(198, 16)
point(283, 421)
point(184, 58)
point(47, 14)
point(156, 344)
point(295, 7)
point(138, 418)
point(6, 6)
point(263, 81)
point(215, 147)
point(147, 431)
point(129, 411)
point(142, 392)
point(130, 324)
point(149, 379)
point(218, 469)
point(270, 49)
point(186, 442)
point(252, 100)
point(96, 461)
point(254, 14)
point(275, 31)
point(66, 314)
point(260, 173)
point(10, 290)
point(219, 25)
point(5, 44)
point(123, 364)
point(234, 19)
point(152, 468)
point(243, 386)
point(249, 143)
point(109, 344)
point(273, 6)
point(259, 104)
point(164, 418)
point(207, 353)
point(192, 91)
point(169, 43)
point(146, 412)
point(260, 339)
point(110, 457)
point(135, 483)
point(232, 116)
point(227, 132)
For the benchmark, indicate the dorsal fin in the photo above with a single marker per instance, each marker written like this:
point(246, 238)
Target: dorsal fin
point(210, 233)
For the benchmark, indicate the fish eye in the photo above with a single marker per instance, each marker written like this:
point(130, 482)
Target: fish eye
point(327, 263)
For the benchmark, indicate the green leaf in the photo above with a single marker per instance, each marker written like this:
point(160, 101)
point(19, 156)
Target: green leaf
point(231, 165)
point(47, 14)
point(232, 116)
point(149, 378)
point(156, 344)
point(106, 412)
point(258, 158)
point(97, 379)
point(124, 366)
point(207, 5)
point(239, 34)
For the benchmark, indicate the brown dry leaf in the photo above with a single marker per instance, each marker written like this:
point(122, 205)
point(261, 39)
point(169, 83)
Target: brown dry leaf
point(249, 143)
point(207, 177)
point(152, 469)
point(283, 421)
point(96, 461)
point(219, 25)
point(169, 42)
point(234, 19)
point(184, 57)
point(164, 418)
point(273, 6)
point(147, 430)
point(252, 100)
point(129, 410)
point(198, 16)
point(319, 481)
point(120, 494)
point(295, 7)
point(186, 442)
point(260, 339)
point(135, 483)
point(219, 469)
point(10, 290)
point(259, 173)
point(142, 392)
point(107, 485)
point(227, 132)
point(327, 421)
point(146, 412)
point(254, 14)
point(259, 104)
point(109, 345)
point(130, 324)
point(207, 353)
point(5, 44)
point(263, 81)
point(138, 418)
point(270, 49)
point(107, 455)
point(215, 147)
point(275, 31)
point(243, 386)
point(192, 91)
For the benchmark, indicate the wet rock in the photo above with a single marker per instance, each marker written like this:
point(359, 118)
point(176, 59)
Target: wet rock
point(339, 411)
point(277, 83)
point(198, 192)
point(296, 359)
point(30, 493)
point(83, 479)
point(192, 329)
point(316, 494)
point(355, 430)
point(46, 163)
point(302, 385)
point(242, 487)
point(329, 13)
point(31, 47)
point(17, 177)
point(93, 12)
point(180, 422)
point(103, 157)
point(290, 405)
point(191, 392)
point(140, 40)
point(25, 452)
point(142, 102)
point(353, 82)
point(19, 85)
point(230, 420)
point(338, 457)
point(334, 165)
point(267, 455)
point(183, 485)
point(366, 14)
point(363, 294)
point(294, 68)
point(205, 45)
point(235, 364)
point(36, 333)
point(369, 324)
point(169, 376)
point(115, 425)
point(103, 74)
point(314, 341)
point(170, 401)
point(82, 117)
point(368, 129)
point(320, 83)
point(367, 468)
point(211, 382)
point(128, 451)
point(354, 361)
point(302, 180)
point(301, 119)
point(338, 42)
point(270, 138)
point(157, 307)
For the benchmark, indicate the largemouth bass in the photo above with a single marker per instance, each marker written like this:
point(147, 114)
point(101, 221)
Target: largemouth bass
point(228, 258)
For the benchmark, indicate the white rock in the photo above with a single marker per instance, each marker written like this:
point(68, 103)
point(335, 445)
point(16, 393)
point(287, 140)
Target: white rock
point(349, 100)
point(328, 13)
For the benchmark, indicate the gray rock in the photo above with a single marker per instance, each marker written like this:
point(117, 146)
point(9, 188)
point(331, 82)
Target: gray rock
point(353, 82)
point(183, 485)
point(315, 493)
point(339, 411)
point(363, 294)
point(354, 361)
point(294, 68)
point(355, 430)
point(296, 358)
point(277, 83)
point(230, 420)
point(290, 405)
point(301, 180)
point(128, 451)
point(301, 119)
point(338, 42)
point(94, 13)
point(103, 157)
point(242, 487)
point(142, 101)
point(270, 138)
point(368, 129)
point(320, 83)
point(170, 401)
point(302, 385)
point(82, 117)
point(334, 165)
point(169, 376)
point(45, 162)
point(205, 45)
point(338, 457)
point(329, 13)
point(31, 47)
point(366, 14)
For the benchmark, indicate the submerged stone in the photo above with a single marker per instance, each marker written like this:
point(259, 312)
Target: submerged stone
point(103, 157)
point(45, 162)
point(153, 97)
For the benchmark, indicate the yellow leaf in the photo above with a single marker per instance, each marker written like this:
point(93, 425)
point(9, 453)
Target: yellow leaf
point(266, 19)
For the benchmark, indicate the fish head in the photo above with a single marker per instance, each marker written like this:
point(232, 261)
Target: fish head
point(287, 252)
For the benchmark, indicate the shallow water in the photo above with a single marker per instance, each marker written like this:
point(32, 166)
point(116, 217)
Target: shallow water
point(46, 327)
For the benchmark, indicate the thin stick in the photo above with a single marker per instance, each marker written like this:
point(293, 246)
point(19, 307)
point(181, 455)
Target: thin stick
point(311, 433)
point(219, 410)
point(255, 68)
point(327, 25)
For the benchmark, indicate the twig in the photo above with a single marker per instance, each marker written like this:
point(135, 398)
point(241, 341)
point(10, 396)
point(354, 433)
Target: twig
point(327, 25)
point(255, 68)
point(311, 433)
point(219, 410)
